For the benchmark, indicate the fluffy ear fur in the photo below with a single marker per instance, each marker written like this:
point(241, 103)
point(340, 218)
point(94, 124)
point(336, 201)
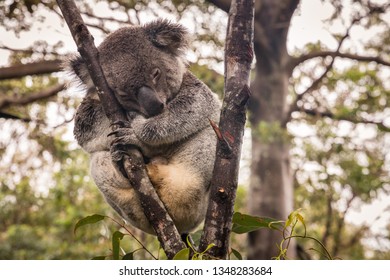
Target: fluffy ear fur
point(167, 35)
point(76, 66)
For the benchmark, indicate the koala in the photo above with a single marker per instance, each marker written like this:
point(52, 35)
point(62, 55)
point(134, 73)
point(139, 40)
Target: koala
point(168, 112)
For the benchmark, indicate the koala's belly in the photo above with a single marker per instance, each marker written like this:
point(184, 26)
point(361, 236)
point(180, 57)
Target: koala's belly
point(182, 190)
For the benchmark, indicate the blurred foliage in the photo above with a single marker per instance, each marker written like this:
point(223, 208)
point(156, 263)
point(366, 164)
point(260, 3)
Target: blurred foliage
point(213, 79)
point(270, 132)
point(38, 210)
point(343, 164)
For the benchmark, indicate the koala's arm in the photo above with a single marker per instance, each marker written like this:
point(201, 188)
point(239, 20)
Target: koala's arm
point(92, 126)
point(188, 113)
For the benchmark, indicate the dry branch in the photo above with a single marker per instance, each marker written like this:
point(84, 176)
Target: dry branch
point(133, 164)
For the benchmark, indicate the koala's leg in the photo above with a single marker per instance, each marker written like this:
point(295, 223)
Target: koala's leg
point(182, 191)
point(117, 191)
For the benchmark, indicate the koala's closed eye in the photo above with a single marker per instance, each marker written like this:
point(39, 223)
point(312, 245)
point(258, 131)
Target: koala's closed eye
point(156, 74)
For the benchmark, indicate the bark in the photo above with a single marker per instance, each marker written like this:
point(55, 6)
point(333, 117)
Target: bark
point(133, 165)
point(271, 184)
point(34, 68)
point(238, 58)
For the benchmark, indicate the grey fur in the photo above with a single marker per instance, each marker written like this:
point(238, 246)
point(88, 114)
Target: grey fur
point(177, 138)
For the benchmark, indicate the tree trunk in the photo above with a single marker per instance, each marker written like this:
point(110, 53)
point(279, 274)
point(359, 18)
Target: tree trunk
point(271, 184)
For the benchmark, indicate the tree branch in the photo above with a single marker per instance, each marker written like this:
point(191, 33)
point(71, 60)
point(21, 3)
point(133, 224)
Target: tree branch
point(7, 116)
point(329, 219)
point(133, 165)
point(340, 226)
point(34, 68)
point(238, 58)
point(330, 115)
point(295, 61)
point(24, 100)
point(123, 22)
point(294, 107)
point(29, 50)
point(372, 10)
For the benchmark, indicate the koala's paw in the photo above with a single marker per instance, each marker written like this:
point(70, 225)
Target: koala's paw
point(117, 152)
point(119, 124)
point(120, 142)
point(122, 135)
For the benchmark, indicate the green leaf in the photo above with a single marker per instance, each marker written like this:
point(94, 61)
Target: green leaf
point(183, 254)
point(208, 248)
point(243, 223)
point(237, 254)
point(88, 220)
point(162, 255)
point(294, 217)
point(117, 236)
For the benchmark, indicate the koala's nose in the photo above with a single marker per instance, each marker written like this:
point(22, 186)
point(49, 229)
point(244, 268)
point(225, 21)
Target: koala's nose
point(149, 101)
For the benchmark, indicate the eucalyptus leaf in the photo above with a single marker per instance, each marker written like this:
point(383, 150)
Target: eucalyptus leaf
point(243, 223)
point(88, 220)
point(183, 254)
point(237, 254)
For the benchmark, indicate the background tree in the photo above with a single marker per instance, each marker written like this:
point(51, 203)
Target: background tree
point(319, 113)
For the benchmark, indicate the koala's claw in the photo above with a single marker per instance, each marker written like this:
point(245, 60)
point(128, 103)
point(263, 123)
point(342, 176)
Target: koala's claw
point(120, 146)
point(121, 140)
point(118, 126)
point(121, 124)
point(121, 132)
point(117, 150)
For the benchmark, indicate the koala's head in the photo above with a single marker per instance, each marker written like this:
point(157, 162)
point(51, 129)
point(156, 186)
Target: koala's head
point(144, 65)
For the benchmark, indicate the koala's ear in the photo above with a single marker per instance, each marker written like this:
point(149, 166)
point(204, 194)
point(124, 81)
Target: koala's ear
point(76, 66)
point(170, 36)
